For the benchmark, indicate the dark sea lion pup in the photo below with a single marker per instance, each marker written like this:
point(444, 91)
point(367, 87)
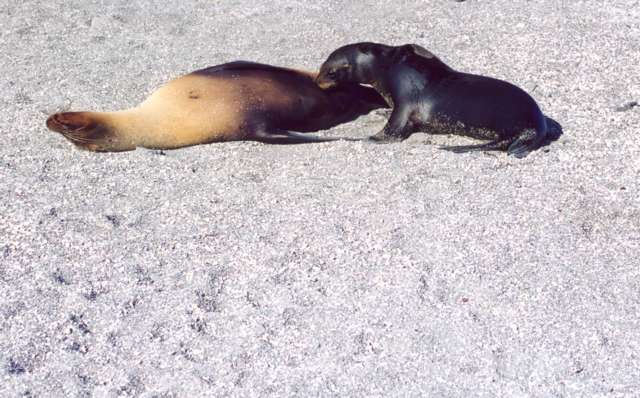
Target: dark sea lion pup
point(427, 95)
point(235, 101)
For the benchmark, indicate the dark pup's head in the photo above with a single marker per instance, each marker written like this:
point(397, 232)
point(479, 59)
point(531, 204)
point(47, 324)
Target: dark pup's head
point(354, 63)
point(365, 62)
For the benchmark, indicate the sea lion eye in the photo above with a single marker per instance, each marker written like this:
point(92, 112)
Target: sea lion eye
point(333, 73)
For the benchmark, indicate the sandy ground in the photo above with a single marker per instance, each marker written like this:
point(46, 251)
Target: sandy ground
point(338, 269)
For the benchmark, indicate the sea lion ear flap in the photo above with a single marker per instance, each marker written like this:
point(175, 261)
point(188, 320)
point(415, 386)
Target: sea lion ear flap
point(374, 49)
point(413, 49)
point(367, 48)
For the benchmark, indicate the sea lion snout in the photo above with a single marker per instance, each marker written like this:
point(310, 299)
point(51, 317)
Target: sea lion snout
point(324, 82)
point(68, 121)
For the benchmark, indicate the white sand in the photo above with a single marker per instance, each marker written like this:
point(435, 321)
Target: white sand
point(339, 269)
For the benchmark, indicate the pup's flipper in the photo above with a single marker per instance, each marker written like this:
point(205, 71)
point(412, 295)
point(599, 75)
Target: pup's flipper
point(284, 137)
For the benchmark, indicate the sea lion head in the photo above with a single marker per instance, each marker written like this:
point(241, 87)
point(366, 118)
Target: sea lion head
point(354, 63)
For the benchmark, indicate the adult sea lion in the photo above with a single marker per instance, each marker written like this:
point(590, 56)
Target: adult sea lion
point(427, 95)
point(234, 101)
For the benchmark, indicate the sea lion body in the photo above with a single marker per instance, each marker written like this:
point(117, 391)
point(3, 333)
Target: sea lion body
point(229, 102)
point(429, 96)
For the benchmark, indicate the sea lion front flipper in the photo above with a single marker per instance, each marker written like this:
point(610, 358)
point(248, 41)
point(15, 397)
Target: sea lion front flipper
point(398, 127)
point(285, 137)
point(489, 146)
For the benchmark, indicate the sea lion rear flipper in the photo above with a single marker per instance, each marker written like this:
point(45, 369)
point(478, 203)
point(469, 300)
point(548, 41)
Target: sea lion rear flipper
point(87, 131)
point(489, 146)
point(285, 137)
point(526, 142)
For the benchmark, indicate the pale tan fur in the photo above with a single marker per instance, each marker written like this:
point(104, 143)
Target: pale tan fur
point(195, 109)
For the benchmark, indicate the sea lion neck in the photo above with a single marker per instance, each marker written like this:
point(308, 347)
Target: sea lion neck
point(382, 86)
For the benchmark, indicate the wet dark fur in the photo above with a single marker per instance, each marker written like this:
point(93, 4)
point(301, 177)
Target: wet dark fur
point(429, 96)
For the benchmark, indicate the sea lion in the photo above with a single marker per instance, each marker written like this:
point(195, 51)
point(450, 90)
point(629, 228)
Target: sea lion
point(428, 96)
point(234, 101)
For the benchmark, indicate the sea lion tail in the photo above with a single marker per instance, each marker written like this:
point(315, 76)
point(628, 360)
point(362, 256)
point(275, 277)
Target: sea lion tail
point(89, 131)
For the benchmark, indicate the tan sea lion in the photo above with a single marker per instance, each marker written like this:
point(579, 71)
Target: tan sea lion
point(230, 102)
